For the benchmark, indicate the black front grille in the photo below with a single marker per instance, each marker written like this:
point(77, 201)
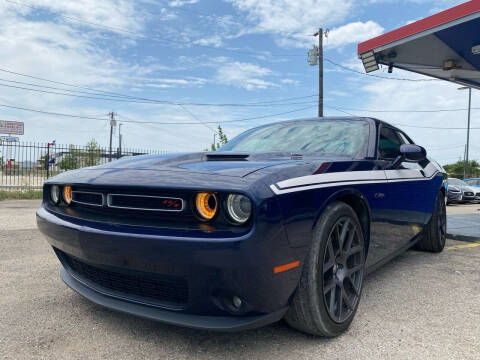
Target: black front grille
point(87, 198)
point(468, 193)
point(161, 289)
point(144, 202)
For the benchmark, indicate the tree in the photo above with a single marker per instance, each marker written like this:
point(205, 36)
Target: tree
point(70, 161)
point(222, 140)
point(77, 158)
point(92, 153)
point(456, 170)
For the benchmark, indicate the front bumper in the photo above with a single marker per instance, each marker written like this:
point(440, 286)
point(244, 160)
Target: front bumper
point(454, 196)
point(214, 323)
point(215, 269)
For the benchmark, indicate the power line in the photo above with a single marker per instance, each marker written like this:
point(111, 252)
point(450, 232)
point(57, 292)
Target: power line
point(193, 116)
point(373, 75)
point(436, 127)
point(281, 102)
point(154, 102)
point(155, 122)
point(411, 111)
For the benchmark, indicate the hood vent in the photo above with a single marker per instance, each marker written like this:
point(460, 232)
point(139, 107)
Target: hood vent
point(227, 156)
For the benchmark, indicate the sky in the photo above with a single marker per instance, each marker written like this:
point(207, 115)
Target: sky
point(234, 63)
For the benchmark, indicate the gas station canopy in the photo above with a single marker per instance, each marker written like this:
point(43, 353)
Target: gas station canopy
point(445, 46)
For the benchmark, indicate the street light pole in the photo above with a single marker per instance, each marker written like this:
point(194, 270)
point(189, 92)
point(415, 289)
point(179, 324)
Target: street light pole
point(467, 166)
point(467, 147)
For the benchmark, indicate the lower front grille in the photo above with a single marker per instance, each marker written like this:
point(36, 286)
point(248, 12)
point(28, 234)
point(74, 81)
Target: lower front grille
point(158, 289)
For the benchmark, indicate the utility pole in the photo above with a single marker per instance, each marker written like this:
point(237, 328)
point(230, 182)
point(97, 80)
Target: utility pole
point(113, 123)
point(314, 54)
point(119, 140)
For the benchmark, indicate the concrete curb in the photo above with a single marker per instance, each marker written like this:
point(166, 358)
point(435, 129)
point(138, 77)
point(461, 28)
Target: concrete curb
point(465, 238)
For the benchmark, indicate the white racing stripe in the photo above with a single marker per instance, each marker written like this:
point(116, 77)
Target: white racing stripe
point(319, 181)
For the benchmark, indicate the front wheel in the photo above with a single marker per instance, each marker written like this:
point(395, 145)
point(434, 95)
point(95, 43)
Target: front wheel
point(329, 291)
point(436, 231)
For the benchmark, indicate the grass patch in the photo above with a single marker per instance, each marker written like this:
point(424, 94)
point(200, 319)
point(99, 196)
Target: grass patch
point(20, 195)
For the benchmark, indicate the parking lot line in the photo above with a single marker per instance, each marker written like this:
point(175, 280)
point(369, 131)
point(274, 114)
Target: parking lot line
point(463, 246)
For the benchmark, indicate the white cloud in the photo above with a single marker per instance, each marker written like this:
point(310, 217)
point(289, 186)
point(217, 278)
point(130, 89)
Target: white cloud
point(284, 16)
point(214, 40)
point(296, 20)
point(244, 75)
point(111, 13)
point(178, 3)
point(353, 33)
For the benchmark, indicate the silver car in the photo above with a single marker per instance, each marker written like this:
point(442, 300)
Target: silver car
point(459, 191)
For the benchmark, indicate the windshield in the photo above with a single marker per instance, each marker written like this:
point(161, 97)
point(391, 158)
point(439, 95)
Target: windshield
point(342, 137)
point(457, 182)
point(474, 182)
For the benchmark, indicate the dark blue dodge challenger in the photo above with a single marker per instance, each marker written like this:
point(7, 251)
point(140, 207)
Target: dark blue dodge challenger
point(283, 222)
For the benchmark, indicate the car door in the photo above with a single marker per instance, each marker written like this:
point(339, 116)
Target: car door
point(405, 195)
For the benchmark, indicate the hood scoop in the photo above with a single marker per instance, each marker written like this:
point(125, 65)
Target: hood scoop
point(227, 156)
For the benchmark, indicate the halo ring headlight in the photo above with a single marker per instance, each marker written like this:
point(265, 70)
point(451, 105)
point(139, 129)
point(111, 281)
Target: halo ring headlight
point(239, 208)
point(55, 194)
point(67, 194)
point(206, 204)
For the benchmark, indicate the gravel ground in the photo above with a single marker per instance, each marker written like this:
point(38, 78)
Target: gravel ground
point(418, 306)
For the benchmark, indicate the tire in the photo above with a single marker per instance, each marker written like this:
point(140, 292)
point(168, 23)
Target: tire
point(331, 284)
point(435, 234)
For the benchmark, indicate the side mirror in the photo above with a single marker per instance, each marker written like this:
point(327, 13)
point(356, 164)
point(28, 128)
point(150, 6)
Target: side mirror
point(413, 152)
point(409, 152)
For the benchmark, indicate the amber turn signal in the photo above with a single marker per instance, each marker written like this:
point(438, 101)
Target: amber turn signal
point(286, 267)
point(67, 194)
point(206, 204)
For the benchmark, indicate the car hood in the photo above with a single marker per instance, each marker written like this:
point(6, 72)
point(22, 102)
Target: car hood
point(231, 164)
point(197, 170)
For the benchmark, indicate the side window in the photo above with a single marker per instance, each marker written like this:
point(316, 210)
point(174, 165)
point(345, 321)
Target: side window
point(403, 138)
point(388, 143)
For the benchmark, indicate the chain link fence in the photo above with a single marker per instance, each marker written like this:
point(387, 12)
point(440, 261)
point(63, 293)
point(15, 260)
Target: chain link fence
point(26, 166)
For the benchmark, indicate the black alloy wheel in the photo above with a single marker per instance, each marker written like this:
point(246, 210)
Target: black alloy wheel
point(442, 222)
point(331, 283)
point(343, 269)
point(435, 233)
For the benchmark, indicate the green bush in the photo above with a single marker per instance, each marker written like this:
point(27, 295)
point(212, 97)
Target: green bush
point(20, 195)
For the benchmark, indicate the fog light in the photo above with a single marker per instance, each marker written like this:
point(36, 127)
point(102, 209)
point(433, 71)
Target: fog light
point(237, 302)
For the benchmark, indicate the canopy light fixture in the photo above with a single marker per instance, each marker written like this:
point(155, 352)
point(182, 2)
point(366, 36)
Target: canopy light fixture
point(369, 61)
point(476, 50)
point(450, 65)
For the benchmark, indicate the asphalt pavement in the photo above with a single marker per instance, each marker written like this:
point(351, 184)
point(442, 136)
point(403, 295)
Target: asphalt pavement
point(464, 222)
point(419, 306)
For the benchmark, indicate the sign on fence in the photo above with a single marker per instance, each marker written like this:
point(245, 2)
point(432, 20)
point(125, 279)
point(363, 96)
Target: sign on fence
point(11, 127)
point(9, 139)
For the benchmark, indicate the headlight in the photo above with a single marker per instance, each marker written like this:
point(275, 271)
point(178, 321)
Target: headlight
point(55, 194)
point(67, 194)
point(239, 208)
point(206, 204)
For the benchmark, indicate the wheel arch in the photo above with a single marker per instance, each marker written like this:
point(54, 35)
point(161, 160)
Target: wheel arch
point(359, 203)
